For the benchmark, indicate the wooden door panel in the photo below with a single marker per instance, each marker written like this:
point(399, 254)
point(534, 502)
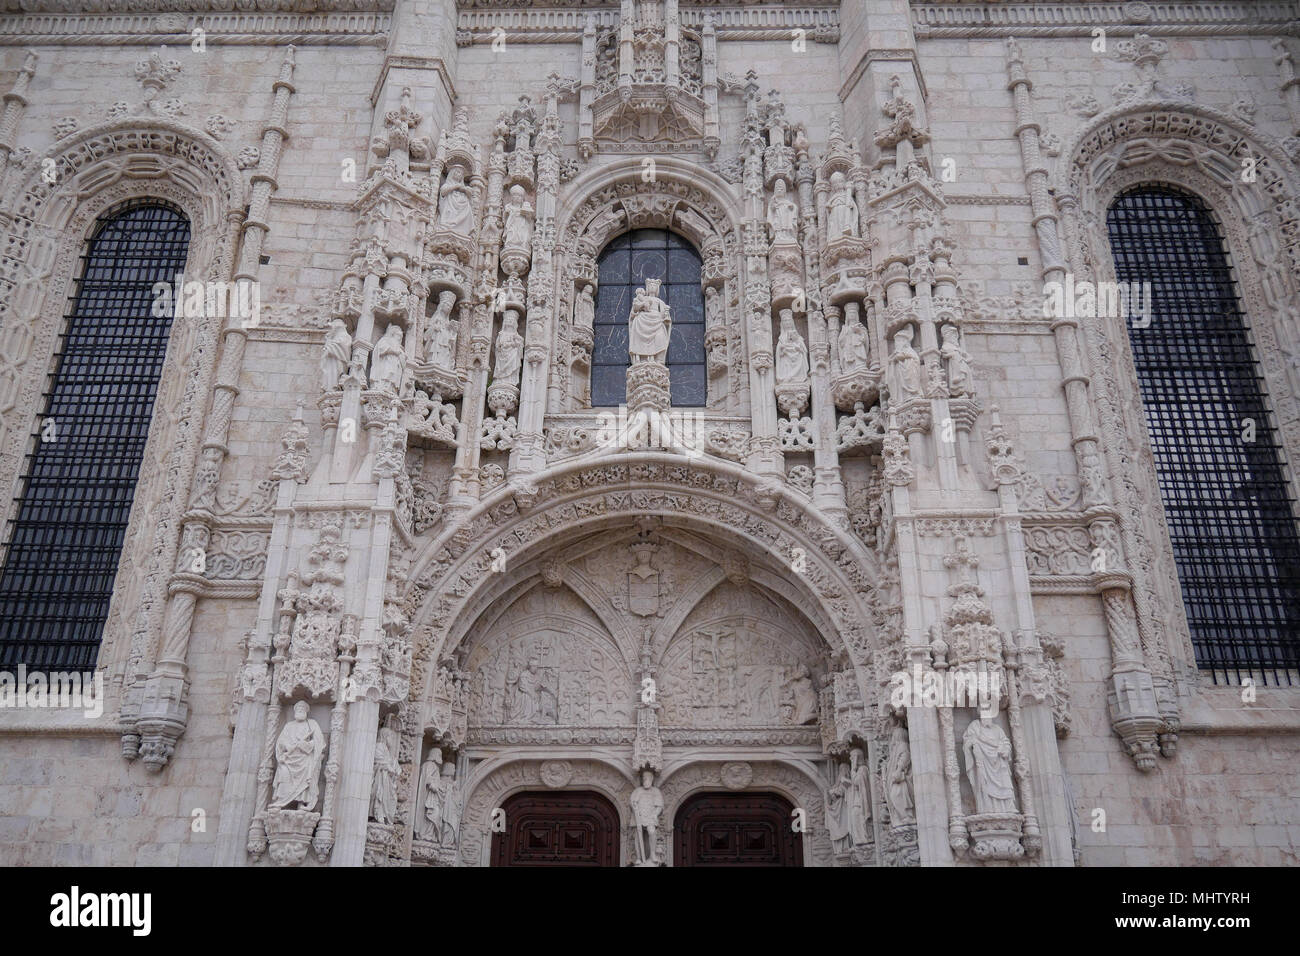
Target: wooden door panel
point(558, 829)
point(736, 829)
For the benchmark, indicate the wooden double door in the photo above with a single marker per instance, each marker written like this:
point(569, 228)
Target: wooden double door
point(580, 828)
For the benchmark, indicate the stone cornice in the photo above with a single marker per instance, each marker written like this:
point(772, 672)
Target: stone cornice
point(230, 28)
point(1119, 17)
point(563, 23)
point(165, 7)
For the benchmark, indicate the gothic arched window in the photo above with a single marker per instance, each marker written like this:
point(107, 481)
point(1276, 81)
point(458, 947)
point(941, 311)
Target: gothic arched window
point(1217, 456)
point(624, 266)
point(78, 480)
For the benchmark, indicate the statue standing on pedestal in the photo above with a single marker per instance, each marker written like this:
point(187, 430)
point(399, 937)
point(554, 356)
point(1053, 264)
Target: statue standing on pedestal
point(450, 806)
point(960, 379)
point(584, 309)
point(647, 806)
point(428, 801)
point(898, 776)
point(338, 352)
point(383, 793)
point(906, 364)
point(440, 338)
point(791, 353)
point(854, 350)
point(783, 216)
point(649, 326)
point(389, 362)
point(298, 753)
point(455, 205)
point(842, 211)
point(988, 766)
point(519, 225)
point(510, 350)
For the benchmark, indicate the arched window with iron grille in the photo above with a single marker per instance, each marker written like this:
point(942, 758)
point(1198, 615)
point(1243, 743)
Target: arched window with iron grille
point(78, 482)
point(1218, 461)
point(624, 265)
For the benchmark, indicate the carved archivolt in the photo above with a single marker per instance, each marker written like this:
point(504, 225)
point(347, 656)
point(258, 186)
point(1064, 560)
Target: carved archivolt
point(795, 784)
point(46, 227)
point(491, 783)
point(1205, 152)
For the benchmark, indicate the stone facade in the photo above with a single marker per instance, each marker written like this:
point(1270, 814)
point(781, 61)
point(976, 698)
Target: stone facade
point(413, 521)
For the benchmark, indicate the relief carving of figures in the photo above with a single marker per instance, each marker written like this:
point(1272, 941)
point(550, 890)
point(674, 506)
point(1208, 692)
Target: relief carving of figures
point(584, 309)
point(783, 216)
point(383, 791)
point(961, 381)
point(649, 325)
point(440, 336)
point(837, 811)
point(854, 350)
point(509, 350)
point(531, 697)
point(800, 689)
point(791, 353)
point(298, 753)
point(389, 362)
point(455, 204)
point(519, 222)
point(428, 803)
point(647, 807)
point(451, 806)
point(336, 355)
point(842, 211)
point(988, 766)
point(906, 365)
point(719, 677)
point(898, 779)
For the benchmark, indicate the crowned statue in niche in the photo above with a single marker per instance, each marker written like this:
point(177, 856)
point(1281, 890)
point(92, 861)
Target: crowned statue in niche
point(510, 350)
point(649, 326)
point(791, 353)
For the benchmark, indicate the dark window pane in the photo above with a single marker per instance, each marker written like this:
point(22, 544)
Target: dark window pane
point(610, 346)
point(608, 385)
point(687, 304)
point(685, 344)
point(66, 540)
point(613, 268)
point(649, 264)
point(688, 386)
point(1226, 500)
point(684, 265)
point(649, 239)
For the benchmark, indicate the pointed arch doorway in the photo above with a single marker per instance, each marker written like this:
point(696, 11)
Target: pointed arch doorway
point(736, 829)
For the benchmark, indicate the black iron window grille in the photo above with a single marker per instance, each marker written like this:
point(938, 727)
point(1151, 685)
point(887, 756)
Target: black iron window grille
point(1218, 461)
point(624, 266)
point(78, 481)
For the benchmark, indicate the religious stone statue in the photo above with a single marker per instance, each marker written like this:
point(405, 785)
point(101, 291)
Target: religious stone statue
point(584, 309)
point(455, 204)
point(791, 353)
point(450, 806)
point(859, 800)
point(649, 325)
point(801, 688)
point(783, 216)
point(428, 801)
point(298, 753)
point(383, 791)
point(960, 379)
point(712, 303)
point(842, 211)
point(519, 223)
point(510, 350)
point(906, 364)
point(647, 806)
point(440, 339)
point(837, 812)
point(854, 350)
point(898, 778)
point(338, 352)
point(988, 766)
point(389, 361)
